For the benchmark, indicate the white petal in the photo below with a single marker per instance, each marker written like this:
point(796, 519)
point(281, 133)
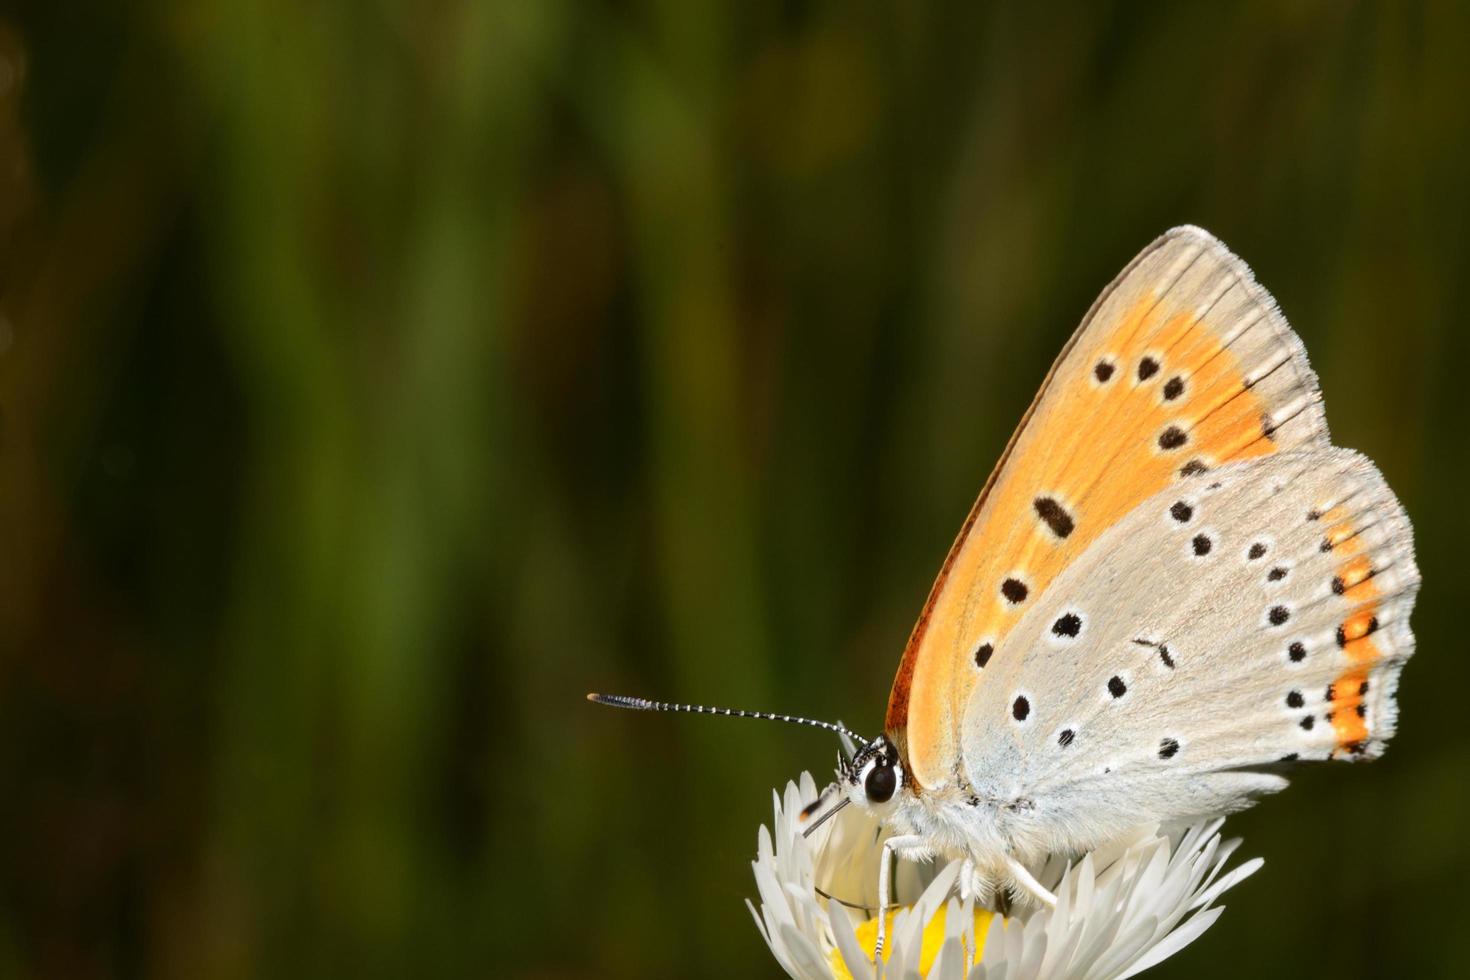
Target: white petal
point(760, 926)
point(1030, 962)
point(1230, 880)
point(1175, 941)
point(807, 961)
point(950, 963)
point(1124, 949)
point(857, 961)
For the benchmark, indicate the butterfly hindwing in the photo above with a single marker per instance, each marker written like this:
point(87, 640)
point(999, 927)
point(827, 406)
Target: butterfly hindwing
point(1255, 614)
point(1183, 365)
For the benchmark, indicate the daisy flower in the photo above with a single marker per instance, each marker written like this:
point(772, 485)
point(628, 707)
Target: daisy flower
point(1120, 910)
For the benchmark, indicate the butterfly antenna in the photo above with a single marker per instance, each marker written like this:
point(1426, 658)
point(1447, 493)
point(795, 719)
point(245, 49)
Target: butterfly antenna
point(842, 802)
point(643, 704)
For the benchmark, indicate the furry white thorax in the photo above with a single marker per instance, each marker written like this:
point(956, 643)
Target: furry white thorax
point(990, 836)
point(1002, 839)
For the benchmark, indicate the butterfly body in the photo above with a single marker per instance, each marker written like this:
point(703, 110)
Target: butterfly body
point(1172, 585)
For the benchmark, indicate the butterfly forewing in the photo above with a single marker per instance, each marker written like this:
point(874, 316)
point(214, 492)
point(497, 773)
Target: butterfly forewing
point(1255, 614)
point(1183, 365)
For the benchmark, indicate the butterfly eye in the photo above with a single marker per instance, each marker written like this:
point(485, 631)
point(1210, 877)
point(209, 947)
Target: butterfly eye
point(881, 782)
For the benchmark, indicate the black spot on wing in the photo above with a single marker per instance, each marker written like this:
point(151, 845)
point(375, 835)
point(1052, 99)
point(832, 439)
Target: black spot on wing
point(1067, 625)
point(1054, 515)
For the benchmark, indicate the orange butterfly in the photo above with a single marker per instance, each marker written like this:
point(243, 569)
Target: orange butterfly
point(1171, 584)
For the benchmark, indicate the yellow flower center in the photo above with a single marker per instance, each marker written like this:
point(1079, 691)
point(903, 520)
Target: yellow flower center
point(934, 935)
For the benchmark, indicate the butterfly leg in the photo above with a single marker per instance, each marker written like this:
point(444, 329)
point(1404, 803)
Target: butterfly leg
point(1029, 884)
point(971, 881)
point(891, 845)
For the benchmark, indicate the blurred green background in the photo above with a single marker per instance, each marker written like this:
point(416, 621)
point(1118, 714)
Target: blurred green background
point(377, 378)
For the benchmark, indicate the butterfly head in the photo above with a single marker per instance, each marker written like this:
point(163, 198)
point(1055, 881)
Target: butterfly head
point(874, 777)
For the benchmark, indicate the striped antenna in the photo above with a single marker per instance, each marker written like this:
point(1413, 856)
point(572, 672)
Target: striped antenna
point(643, 704)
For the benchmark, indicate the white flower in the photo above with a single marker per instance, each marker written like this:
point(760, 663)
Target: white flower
point(1120, 910)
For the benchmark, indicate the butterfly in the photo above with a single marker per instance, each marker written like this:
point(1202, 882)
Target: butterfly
point(1171, 585)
